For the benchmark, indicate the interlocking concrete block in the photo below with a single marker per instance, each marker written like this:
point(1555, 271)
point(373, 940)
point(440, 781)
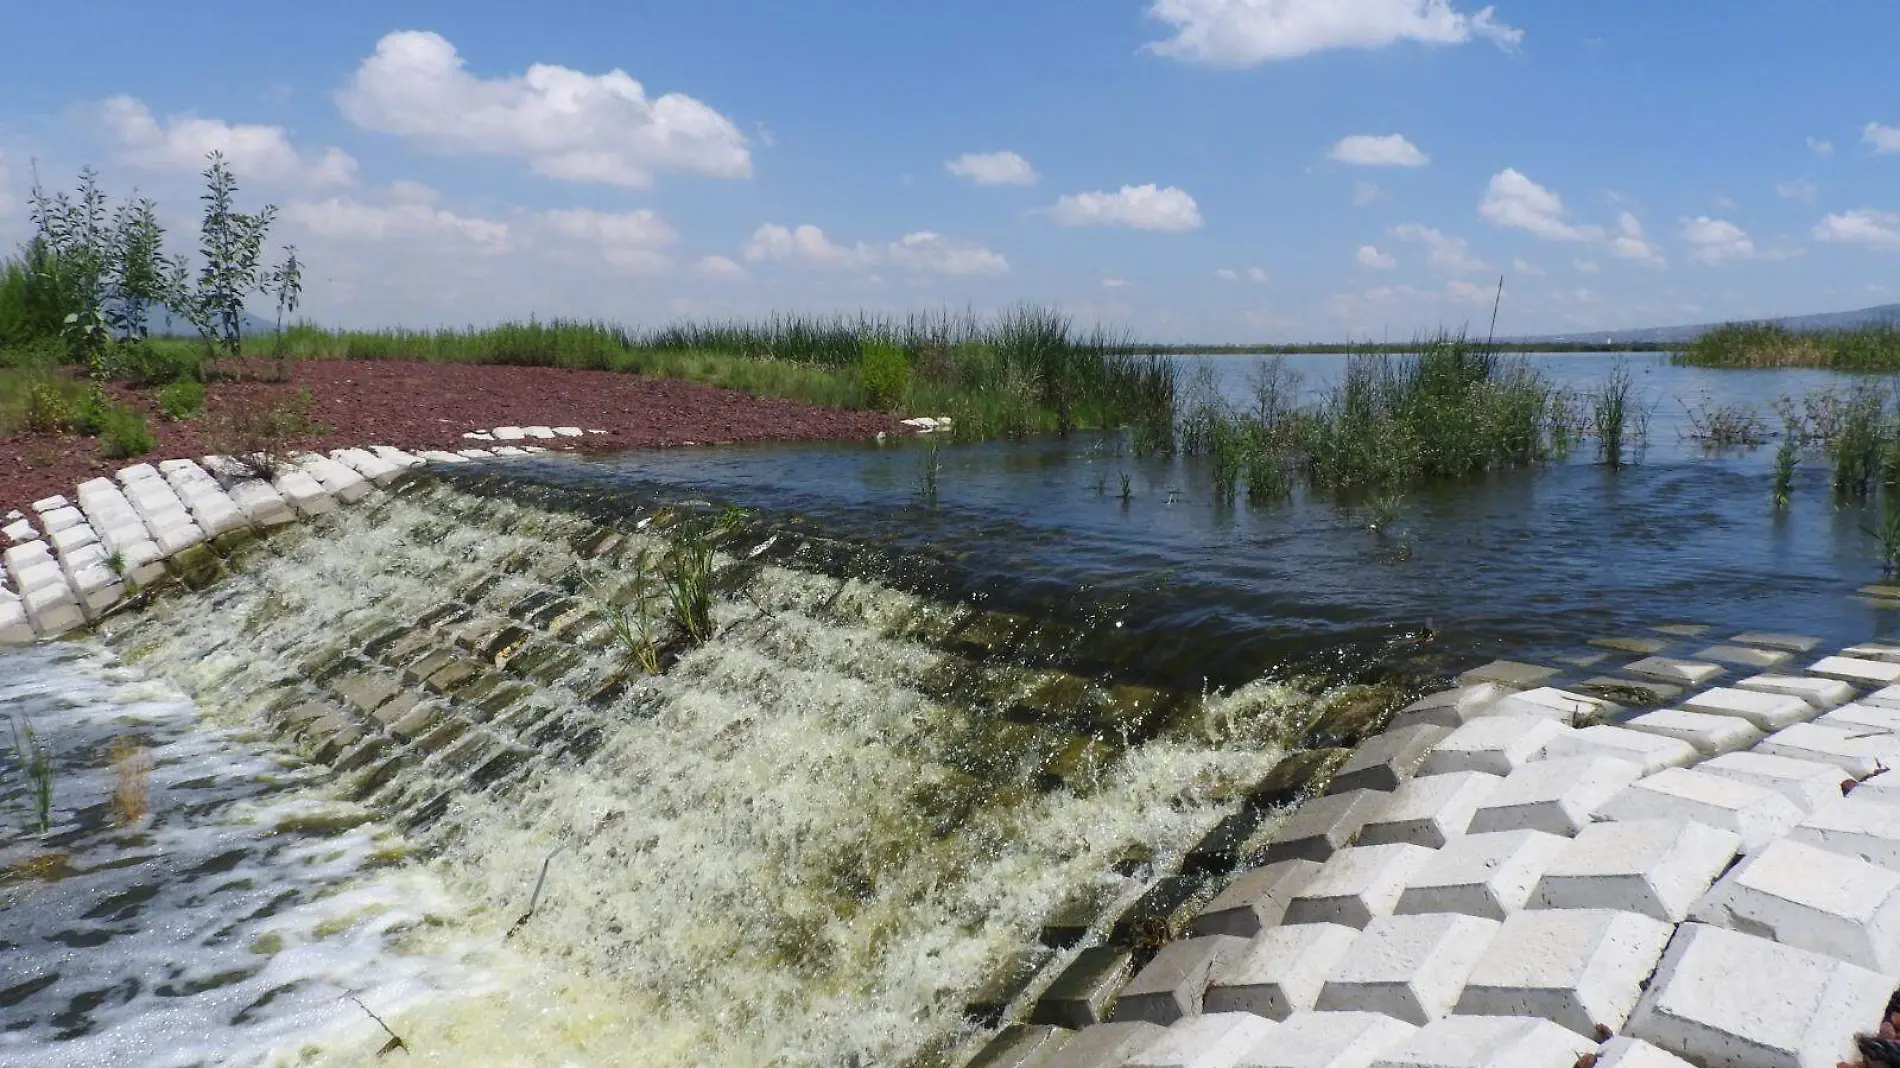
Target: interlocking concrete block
point(1488, 1042)
point(1217, 1040)
point(1387, 759)
point(1430, 810)
point(1763, 711)
point(1651, 752)
point(261, 504)
point(58, 519)
point(1673, 671)
point(1358, 884)
point(1856, 714)
point(474, 454)
point(1107, 1045)
point(1409, 967)
point(1873, 651)
point(1884, 787)
point(337, 479)
point(1281, 972)
point(1744, 656)
point(72, 536)
point(19, 531)
point(1486, 875)
point(1324, 825)
point(1859, 751)
point(1855, 826)
point(1174, 982)
point(509, 433)
point(15, 629)
point(1254, 900)
point(1556, 796)
point(541, 432)
point(53, 610)
point(1732, 1000)
point(1807, 783)
point(1823, 694)
point(1800, 895)
point(1509, 673)
point(1856, 671)
point(1328, 1040)
point(368, 464)
point(441, 457)
point(1581, 968)
point(1793, 643)
point(1626, 1052)
point(1454, 707)
point(1085, 990)
point(1021, 1046)
point(302, 492)
point(568, 431)
point(1656, 867)
point(1552, 703)
point(397, 456)
point(1711, 735)
point(47, 504)
point(1756, 814)
point(39, 573)
point(1497, 745)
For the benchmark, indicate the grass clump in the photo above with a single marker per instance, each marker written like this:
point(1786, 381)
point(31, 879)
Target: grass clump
point(885, 373)
point(1717, 426)
point(125, 435)
point(182, 399)
point(35, 764)
point(687, 572)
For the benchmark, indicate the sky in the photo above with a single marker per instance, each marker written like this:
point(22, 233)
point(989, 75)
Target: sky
point(1187, 170)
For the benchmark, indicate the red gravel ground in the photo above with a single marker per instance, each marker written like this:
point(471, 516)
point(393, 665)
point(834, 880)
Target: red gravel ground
point(428, 405)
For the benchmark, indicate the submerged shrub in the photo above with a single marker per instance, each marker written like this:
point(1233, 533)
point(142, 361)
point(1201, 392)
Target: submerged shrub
point(182, 399)
point(885, 372)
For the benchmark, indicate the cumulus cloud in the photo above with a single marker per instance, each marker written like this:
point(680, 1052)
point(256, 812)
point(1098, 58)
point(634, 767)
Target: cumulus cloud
point(1367, 150)
point(353, 220)
point(1716, 241)
point(1527, 268)
point(1801, 189)
point(1372, 259)
point(1884, 140)
point(1449, 254)
point(1628, 242)
point(1513, 200)
point(928, 253)
point(627, 239)
point(1117, 283)
point(1251, 274)
point(917, 253)
point(564, 123)
point(993, 168)
point(181, 142)
point(719, 269)
point(1242, 33)
point(1139, 207)
point(1469, 293)
point(1867, 227)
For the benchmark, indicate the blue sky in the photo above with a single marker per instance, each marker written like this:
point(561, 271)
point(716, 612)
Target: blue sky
point(1193, 169)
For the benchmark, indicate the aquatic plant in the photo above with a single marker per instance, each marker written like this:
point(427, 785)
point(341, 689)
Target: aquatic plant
point(1731, 425)
point(1382, 510)
point(1888, 536)
point(687, 571)
point(36, 767)
point(1786, 456)
point(132, 772)
point(1611, 414)
point(632, 627)
point(927, 480)
point(1128, 489)
point(1766, 345)
point(1859, 440)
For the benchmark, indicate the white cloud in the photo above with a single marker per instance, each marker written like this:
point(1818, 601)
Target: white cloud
point(1629, 243)
point(1820, 146)
point(1117, 283)
point(8, 202)
point(993, 168)
point(1251, 274)
point(349, 219)
point(1802, 189)
point(1367, 150)
point(1449, 254)
point(806, 245)
point(1364, 193)
point(565, 124)
point(1716, 241)
point(1527, 268)
point(1140, 207)
point(627, 239)
point(928, 253)
point(1242, 33)
point(1862, 226)
point(1256, 275)
point(719, 269)
point(1884, 140)
point(1371, 258)
point(1227, 274)
point(1586, 266)
point(1469, 293)
point(1513, 200)
point(918, 253)
point(182, 142)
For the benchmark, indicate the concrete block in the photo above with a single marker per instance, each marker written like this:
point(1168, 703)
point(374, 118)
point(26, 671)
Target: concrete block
point(1630, 691)
point(1856, 671)
point(1358, 884)
point(1744, 656)
point(1823, 694)
point(1859, 751)
point(1174, 982)
point(1626, 1052)
point(1217, 1040)
point(1884, 787)
point(1281, 972)
point(1656, 867)
point(1454, 707)
point(397, 456)
point(1496, 745)
point(1807, 783)
point(509, 433)
point(1485, 875)
point(47, 504)
point(1793, 643)
point(1412, 968)
point(261, 504)
point(1254, 900)
point(1756, 814)
point(174, 538)
point(1085, 990)
point(1108, 1045)
point(1431, 810)
point(1328, 1040)
point(509, 450)
point(1711, 735)
point(337, 479)
point(41, 573)
point(1021, 1046)
point(474, 454)
point(1487, 1042)
point(541, 432)
point(1581, 968)
point(1873, 651)
point(15, 628)
point(1552, 703)
point(1855, 826)
point(1509, 673)
point(1855, 714)
point(440, 457)
point(1323, 825)
point(1387, 759)
point(1763, 711)
point(1673, 671)
point(19, 531)
point(58, 519)
point(1720, 998)
point(302, 492)
point(1651, 752)
point(1557, 796)
point(1800, 895)
point(52, 613)
point(368, 464)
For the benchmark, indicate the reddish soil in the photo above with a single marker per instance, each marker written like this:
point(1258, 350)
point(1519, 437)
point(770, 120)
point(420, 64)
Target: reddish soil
point(430, 406)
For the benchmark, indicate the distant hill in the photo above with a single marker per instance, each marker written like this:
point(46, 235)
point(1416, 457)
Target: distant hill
point(1879, 315)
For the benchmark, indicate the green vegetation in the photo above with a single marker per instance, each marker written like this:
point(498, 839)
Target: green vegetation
point(182, 399)
point(1763, 345)
point(1401, 348)
point(36, 768)
point(1725, 426)
point(687, 572)
point(885, 372)
point(1613, 416)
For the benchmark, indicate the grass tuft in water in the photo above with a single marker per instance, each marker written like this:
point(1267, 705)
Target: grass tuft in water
point(1786, 456)
point(36, 767)
point(927, 479)
point(632, 626)
point(1611, 415)
point(687, 570)
point(1716, 426)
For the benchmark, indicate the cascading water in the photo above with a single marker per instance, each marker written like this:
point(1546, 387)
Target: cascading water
point(809, 840)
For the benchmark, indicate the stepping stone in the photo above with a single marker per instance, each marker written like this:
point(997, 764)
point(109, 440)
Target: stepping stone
point(1673, 671)
point(1859, 751)
point(1487, 1042)
point(1763, 711)
point(1358, 884)
point(1803, 896)
point(1793, 643)
point(1809, 784)
point(1626, 1052)
point(1021, 1046)
point(1856, 714)
point(1081, 995)
point(1324, 825)
point(1101, 1045)
point(1386, 760)
point(1581, 968)
point(1454, 707)
point(1549, 702)
point(1863, 827)
point(1328, 1040)
point(1217, 1040)
point(1282, 971)
point(1556, 796)
point(1484, 875)
point(1823, 694)
point(1656, 867)
point(1756, 814)
point(1509, 673)
point(1173, 983)
point(1725, 998)
point(1496, 745)
point(1409, 967)
point(1430, 810)
point(1854, 670)
point(1255, 900)
point(1629, 691)
point(1711, 735)
point(1743, 656)
point(1651, 752)
point(1635, 644)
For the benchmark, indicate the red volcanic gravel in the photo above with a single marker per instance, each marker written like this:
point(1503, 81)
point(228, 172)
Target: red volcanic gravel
point(430, 405)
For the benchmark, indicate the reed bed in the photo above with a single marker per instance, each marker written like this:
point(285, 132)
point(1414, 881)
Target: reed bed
point(1769, 345)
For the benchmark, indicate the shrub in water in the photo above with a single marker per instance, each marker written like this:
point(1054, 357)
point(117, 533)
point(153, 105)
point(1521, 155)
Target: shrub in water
point(885, 373)
point(182, 399)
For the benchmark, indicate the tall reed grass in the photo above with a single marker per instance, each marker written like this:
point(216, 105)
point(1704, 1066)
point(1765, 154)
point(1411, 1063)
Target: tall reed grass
point(1763, 345)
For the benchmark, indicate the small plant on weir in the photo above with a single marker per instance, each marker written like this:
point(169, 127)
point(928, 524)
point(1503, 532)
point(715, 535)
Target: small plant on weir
point(36, 767)
point(632, 627)
point(688, 574)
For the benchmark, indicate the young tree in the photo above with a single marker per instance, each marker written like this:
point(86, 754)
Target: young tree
point(72, 256)
point(230, 242)
point(286, 281)
point(140, 278)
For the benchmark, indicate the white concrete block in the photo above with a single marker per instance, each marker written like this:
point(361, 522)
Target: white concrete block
point(1174, 984)
point(1763, 711)
point(61, 518)
point(1794, 643)
point(1104, 1045)
point(1744, 656)
point(1357, 884)
point(1823, 694)
point(1732, 1000)
point(1216, 1040)
point(1756, 814)
point(52, 611)
point(1581, 968)
point(47, 504)
point(478, 435)
point(1858, 714)
point(336, 479)
point(1254, 900)
point(1485, 875)
point(1864, 827)
point(175, 538)
point(1873, 651)
point(18, 531)
point(1711, 735)
point(30, 552)
point(1807, 783)
point(82, 557)
point(440, 457)
point(1673, 671)
point(1556, 796)
point(1886, 697)
point(367, 464)
point(1626, 1052)
point(1281, 971)
point(1859, 751)
point(1651, 752)
point(72, 537)
point(509, 450)
point(1656, 867)
point(475, 454)
point(1328, 1040)
point(509, 433)
point(1550, 702)
point(1884, 787)
point(1431, 810)
point(541, 432)
point(1804, 896)
point(1487, 1042)
point(261, 504)
point(37, 573)
point(1496, 745)
point(568, 431)
point(1857, 671)
point(15, 628)
point(136, 473)
point(1409, 967)
point(397, 456)
point(302, 492)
